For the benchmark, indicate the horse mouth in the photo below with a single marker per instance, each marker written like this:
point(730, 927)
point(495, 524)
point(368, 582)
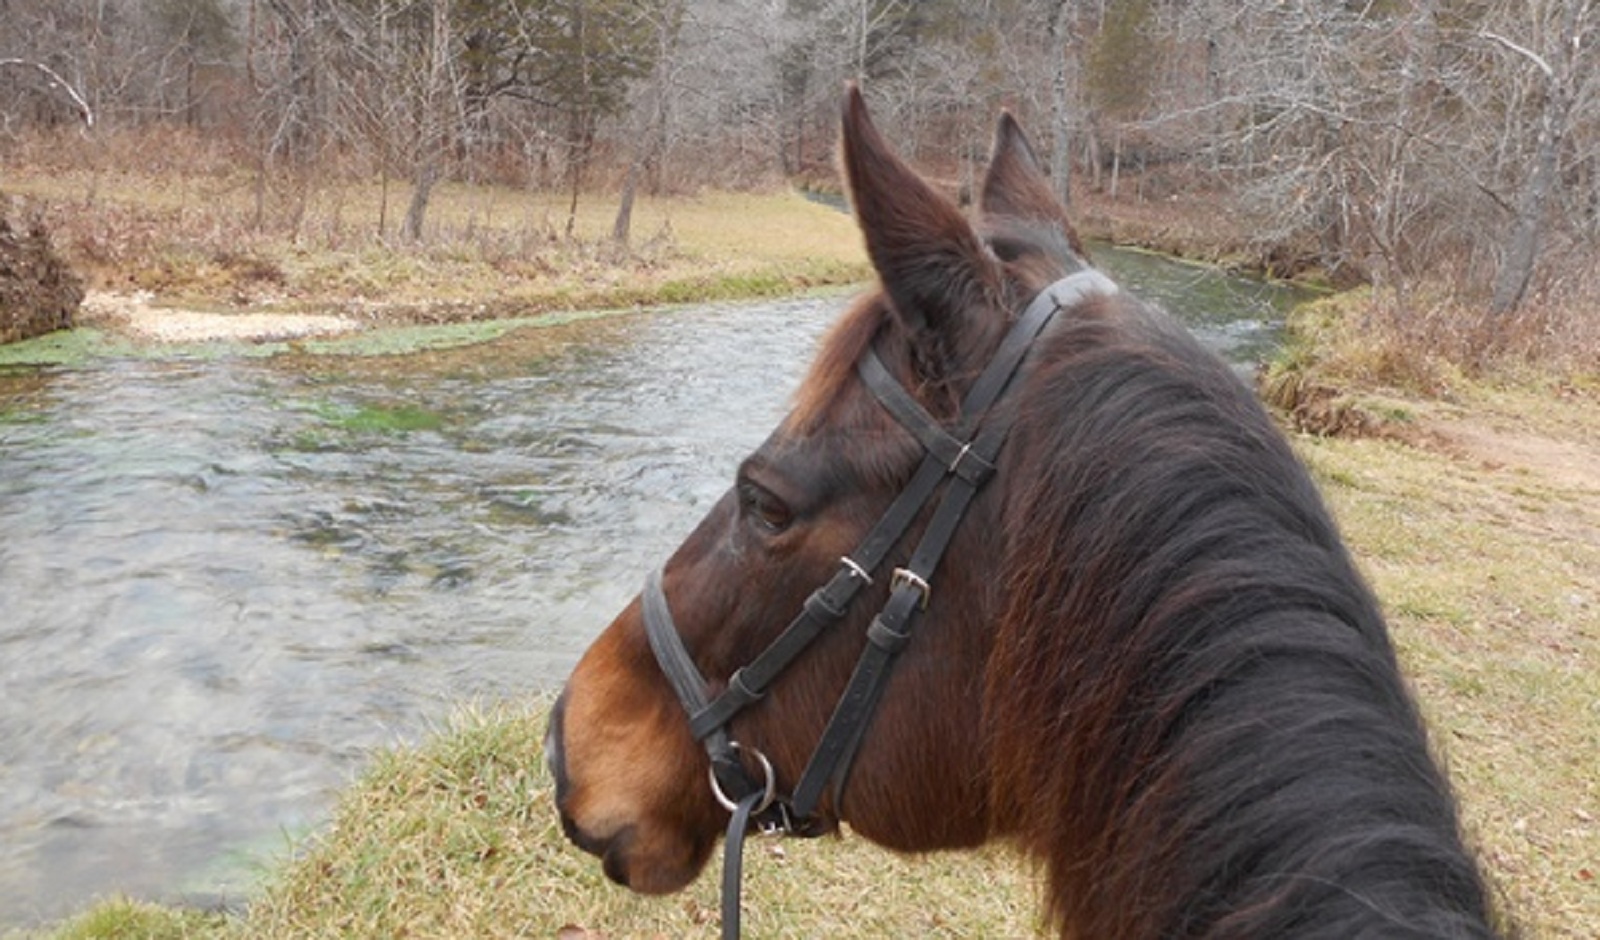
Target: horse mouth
point(611, 850)
point(621, 852)
point(619, 860)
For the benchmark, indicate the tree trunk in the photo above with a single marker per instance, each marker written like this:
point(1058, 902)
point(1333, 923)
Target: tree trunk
point(1522, 253)
point(417, 211)
point(578, 160)
point(435, 103)
point(1061, 152)
point(1097, 171)
point(620, 228)
point(1516, 273)
point(1116, 162)
point(1564, 69)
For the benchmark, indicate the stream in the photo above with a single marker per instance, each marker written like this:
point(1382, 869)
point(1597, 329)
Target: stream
point(224, 582)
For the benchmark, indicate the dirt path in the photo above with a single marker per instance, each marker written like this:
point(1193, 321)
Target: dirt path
point(1554, 438)
point(1568, 463)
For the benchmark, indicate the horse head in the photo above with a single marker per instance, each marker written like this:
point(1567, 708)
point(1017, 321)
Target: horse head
point(632, 780)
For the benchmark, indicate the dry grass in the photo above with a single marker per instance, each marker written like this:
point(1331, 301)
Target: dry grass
point(1435, 344)
point(459, 839)
point(197, 228)
point(1482, 536)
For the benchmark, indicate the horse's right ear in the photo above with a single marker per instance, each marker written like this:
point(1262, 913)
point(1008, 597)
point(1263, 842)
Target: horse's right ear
point(931, 263)
point(1015, 186)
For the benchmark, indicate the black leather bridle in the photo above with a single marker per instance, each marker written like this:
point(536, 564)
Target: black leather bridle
point(965, 454)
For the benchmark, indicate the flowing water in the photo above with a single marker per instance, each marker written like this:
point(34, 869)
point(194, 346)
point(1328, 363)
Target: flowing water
point(222, 583)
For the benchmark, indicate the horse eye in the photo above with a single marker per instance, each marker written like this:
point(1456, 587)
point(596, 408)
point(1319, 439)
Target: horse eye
point(763, 509)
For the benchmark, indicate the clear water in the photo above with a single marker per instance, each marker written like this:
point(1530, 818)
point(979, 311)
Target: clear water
point(222, 583)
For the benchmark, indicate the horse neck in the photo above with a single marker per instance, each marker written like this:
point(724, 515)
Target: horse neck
point(1196, 716)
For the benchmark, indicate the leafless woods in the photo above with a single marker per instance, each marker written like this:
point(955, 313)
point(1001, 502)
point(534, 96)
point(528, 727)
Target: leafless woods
point(1377, 139)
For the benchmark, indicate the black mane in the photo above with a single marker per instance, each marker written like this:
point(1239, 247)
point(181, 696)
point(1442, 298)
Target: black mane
point(1226, 726)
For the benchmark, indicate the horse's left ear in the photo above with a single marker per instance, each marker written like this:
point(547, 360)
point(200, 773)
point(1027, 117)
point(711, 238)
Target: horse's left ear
point(932, 264)
point(1015, 186)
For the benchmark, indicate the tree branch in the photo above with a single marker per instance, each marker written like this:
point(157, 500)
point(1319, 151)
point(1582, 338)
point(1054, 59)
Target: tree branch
point(1537, 59)
point(54, 79)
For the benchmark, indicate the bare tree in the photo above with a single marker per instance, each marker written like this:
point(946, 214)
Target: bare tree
point(650, 139)
point(1064, 57)
point(434, 107)
point(1562, 70)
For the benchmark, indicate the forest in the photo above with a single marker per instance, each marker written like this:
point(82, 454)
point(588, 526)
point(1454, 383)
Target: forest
point(1446, 144)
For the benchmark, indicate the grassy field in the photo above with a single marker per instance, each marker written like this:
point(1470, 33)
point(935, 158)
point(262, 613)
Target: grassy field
point(1480, 530)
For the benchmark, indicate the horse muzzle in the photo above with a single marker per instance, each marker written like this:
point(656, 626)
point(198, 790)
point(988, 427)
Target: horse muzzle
point(624, 855)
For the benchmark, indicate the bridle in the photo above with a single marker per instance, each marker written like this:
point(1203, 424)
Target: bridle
point(966, 455)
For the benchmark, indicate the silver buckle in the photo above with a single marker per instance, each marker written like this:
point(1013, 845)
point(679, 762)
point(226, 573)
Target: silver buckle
point(905, 576)
point(956, 463)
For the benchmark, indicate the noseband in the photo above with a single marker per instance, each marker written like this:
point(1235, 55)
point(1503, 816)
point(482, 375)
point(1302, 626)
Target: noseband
point(965, 454)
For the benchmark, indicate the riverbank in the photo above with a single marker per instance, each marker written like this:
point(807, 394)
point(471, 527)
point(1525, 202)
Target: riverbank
point(184, 260)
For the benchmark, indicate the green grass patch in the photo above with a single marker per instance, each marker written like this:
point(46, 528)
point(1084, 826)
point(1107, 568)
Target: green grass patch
point(64, 348)
point(125, 919)
point(379, 419)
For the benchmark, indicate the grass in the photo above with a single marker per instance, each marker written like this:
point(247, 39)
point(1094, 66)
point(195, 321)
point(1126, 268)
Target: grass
point(457, 839)
point(197, 240)
point(375, 419)
point(1489, 567)
point(1436, 344)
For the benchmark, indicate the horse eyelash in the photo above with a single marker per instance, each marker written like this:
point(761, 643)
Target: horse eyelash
point(759, 503)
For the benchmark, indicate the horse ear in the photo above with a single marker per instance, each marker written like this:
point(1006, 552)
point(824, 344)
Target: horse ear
point(1016, 187)
point(933, 267)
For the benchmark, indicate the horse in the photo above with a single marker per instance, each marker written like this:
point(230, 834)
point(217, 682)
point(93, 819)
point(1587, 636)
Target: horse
point(1141, 654)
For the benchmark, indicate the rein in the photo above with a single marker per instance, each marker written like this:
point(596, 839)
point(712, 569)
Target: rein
point(966, 455)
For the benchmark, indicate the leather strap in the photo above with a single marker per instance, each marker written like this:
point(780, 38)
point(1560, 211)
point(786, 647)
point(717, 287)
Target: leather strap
point(969, 463)
point(733, 864)
point(891, 630)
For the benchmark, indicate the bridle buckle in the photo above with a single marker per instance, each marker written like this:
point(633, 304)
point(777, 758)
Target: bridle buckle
point(905, 577)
